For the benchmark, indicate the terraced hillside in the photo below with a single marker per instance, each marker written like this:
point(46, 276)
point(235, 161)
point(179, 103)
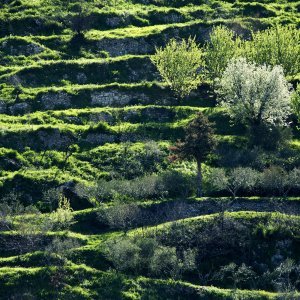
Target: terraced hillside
point(86, 119)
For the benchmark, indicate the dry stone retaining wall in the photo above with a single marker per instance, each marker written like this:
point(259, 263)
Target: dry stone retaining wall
point(116, 98)
point(119, 47)
point(56, 100)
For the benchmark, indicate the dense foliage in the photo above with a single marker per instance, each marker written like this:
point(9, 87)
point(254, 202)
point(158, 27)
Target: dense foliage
point(179, 65)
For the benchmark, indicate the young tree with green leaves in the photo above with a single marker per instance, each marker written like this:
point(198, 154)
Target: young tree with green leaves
point(278, 45)
point(198, 143)
point(223, 45)
point(179, 64)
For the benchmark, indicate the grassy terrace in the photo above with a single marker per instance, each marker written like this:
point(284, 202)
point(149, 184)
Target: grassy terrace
point(99, 14)
point(97, 71)
point(149, 287)
point(97, 43)
point(29, 268)
point(133, 114)
point(90, 95)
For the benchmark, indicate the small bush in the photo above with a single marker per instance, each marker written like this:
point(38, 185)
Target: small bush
point(145, 254)
point(124, 255)
point(120, 216)
point(62, 218)
point(236, 276)
point(178, 184)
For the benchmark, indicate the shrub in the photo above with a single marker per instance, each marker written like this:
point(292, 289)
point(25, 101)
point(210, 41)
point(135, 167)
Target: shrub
point(60, 246)
point(124, 254)
point(62, 218)
point(11, 209)
point(164, 262)
point(177, 184)
point(120, 216)
point(140, 254)
point(257, 10)
point(100, 127)
point(50, 198)
point(147, 248)
point(286, 277)
point(147, 187)
point(130, 160)
point(270, 137)
point(236, 276)
point(274, 180)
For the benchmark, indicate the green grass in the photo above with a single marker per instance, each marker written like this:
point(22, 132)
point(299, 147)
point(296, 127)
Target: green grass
point(107, 285)
point(198, 221)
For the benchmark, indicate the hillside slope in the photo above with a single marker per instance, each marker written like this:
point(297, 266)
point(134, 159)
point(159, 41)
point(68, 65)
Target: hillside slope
point(90, 108)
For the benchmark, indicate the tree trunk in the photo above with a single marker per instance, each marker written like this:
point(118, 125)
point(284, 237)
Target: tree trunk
point(199, 179)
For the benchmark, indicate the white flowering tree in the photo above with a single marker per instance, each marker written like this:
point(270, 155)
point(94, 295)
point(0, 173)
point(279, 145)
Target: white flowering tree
point(255, 95)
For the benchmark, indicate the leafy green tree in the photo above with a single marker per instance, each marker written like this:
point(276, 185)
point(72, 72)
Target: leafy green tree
point(78, 21)
point(278, 45)
point(256, 96)
point(198, 143)
point(221, 48)
point(235, 180)
point(179, 65)
point(276, 180)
